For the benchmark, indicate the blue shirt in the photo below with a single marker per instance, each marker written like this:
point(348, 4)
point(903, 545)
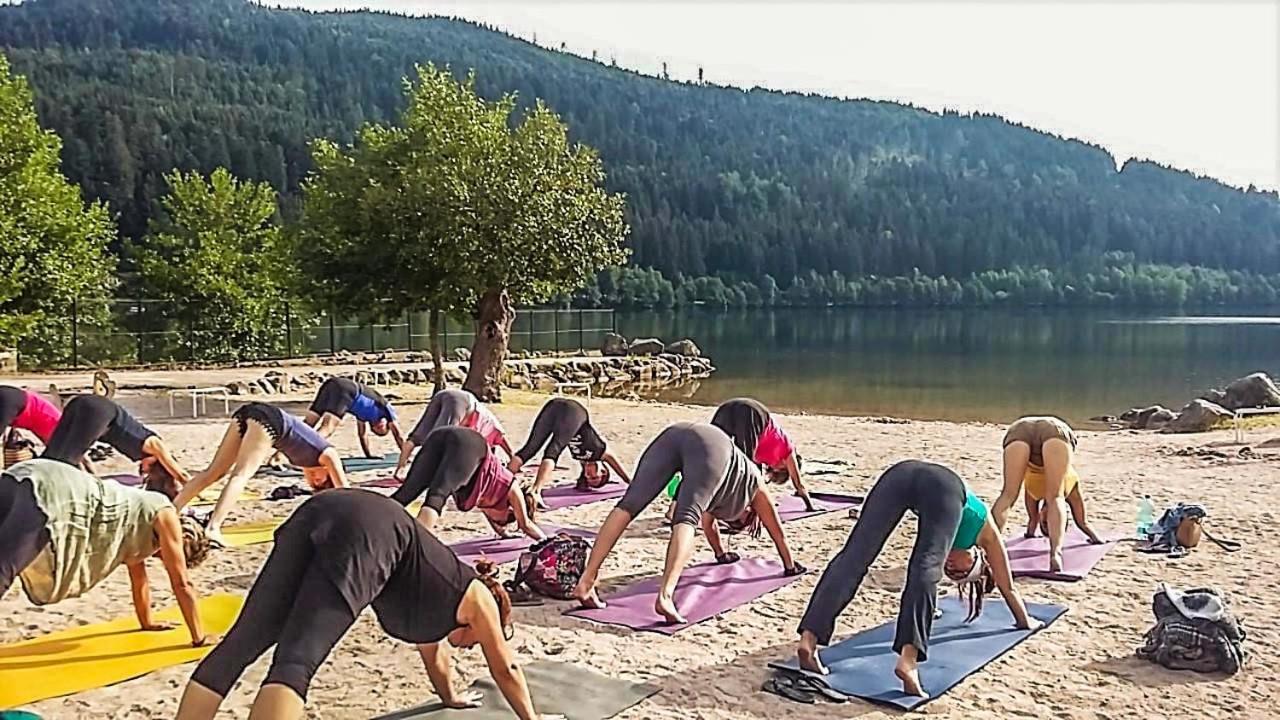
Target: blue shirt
point(371, 410)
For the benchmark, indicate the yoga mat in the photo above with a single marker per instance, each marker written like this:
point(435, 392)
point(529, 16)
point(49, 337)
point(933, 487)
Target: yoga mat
point(1029, 557)
point(504, 550)
point(251, 534)
point(350, 464)
point(556, 688)
point(125, 479)
point(209, 497)
point(382, 482)
point(791, 507)
point(862, 665)
point(94, 656)
point(567, 496)
point(704, 591)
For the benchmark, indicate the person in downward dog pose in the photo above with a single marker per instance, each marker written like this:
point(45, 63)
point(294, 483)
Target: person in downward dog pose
point(564, 423)
point(456, 462)
point(63, 531)
point(338, 397)
point(718, 483)
point(256, 431)
point(339, 553)
point(453, 407)
point(955, 535)
point(88, 419)
point(751, 426)
point(24, 410)
point(1038, 451)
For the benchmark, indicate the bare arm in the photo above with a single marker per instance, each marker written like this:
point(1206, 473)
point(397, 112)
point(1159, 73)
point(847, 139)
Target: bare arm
point(612, 462)
point(1075, 501)
point(516, 498)
point(169, 532)
point(506, 446)
point(362, 433)
point(763, 505)
point(713, 535)
point(156, 447)
point(142, 596)
point(435, 658)
point(333, 464)
point(406, 449)
point(428, 516)
point(990, 541)
point(396, 434)
point(793, 469)
point(480, 612)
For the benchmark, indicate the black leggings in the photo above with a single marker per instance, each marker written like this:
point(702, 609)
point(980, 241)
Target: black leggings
point(447, 462)
point(293, 605)
point(86, 419)
point(557, 423)
point(936, 495)
point(744, 420)
point(700, 453)
point(24, 531)
point(447, 407)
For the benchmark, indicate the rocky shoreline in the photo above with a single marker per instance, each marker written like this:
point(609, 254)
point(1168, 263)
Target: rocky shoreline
point(1207, 412)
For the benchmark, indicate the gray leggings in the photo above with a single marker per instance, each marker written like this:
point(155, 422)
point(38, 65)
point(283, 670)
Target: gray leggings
point(700, 453)
point(447, 407)
point(937, 496)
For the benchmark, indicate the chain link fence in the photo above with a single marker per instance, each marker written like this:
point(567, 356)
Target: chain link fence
point(130, 332)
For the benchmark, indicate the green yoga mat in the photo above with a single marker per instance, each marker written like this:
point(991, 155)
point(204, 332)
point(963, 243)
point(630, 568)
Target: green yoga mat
point(557, 688)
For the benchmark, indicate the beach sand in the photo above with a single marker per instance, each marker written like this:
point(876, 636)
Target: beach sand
point(1081, 667)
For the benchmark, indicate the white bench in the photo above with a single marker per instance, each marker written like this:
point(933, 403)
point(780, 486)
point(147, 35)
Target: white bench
point(1242, 412)
point(201, 396)
point(562, 386)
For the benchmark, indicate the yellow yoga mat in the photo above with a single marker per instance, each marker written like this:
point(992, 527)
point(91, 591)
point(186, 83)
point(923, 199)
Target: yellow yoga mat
point(210, 497)
point(94, 656)
point(251, 534)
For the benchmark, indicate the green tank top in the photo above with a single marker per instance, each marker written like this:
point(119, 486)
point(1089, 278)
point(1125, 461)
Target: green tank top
point(972, 520)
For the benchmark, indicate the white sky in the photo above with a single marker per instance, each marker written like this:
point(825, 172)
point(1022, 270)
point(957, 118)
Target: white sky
point(1195, 85)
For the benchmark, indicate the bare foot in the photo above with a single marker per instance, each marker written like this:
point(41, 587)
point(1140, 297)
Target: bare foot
point(808, 660)
point(1055, 562)
point(666, 607)
point(910, 678)
point(215, 538)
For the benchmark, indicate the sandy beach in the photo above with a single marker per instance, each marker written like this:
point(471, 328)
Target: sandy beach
point(1080, 668)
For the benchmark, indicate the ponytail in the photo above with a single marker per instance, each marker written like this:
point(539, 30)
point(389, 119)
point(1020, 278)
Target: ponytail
point(485, 570)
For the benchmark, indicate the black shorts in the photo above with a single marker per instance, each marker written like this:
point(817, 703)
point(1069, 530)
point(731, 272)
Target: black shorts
point(270, 417)
point(335, 397)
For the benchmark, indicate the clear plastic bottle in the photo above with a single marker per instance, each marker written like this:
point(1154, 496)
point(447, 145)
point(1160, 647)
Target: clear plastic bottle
point(1146, 516)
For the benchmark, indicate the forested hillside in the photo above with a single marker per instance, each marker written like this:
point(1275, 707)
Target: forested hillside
point(764, 196)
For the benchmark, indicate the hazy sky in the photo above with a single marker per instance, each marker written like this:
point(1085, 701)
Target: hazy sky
point(1189, 84)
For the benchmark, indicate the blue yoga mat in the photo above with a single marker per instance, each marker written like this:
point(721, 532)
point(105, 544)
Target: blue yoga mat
point(862, 665)
point(350, 464)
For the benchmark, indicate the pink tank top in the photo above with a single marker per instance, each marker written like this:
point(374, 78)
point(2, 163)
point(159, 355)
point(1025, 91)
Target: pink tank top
point(483, 421)
point(491, 487)
point(39, 416)
point(774, 446)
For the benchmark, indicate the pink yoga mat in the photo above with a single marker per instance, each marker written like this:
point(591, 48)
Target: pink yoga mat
point(791, 507)
point(567, 496)
point(382, 482)
point(1029, 557)
point(704, 591)
point(504, 550)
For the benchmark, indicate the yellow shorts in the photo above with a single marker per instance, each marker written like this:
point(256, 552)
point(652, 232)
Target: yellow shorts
point(1033, 481)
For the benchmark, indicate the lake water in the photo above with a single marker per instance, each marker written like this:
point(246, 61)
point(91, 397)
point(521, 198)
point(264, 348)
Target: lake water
point(990, 365)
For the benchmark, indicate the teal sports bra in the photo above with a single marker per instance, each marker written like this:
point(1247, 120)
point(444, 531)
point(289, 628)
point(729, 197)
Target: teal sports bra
point(972, 520)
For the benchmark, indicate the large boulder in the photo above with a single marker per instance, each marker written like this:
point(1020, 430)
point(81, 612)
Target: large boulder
point(462, 355)
point(684, 348)
point(1149, 418)
point(614, 345)
point(238, 387)
point(646, 346)
point(1198, 416)
point(1256, 390)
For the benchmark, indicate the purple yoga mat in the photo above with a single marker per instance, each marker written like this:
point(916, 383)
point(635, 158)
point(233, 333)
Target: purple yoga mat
point(567, 496)
point(704, 591)
point(125, 479)
point(382, 482)
point(1029, 557)
point(791, 507)
point(504, 550)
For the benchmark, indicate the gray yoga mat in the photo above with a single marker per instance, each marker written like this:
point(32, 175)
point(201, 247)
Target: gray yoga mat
point(350, 464)
point(862, 665)
point(557, 688)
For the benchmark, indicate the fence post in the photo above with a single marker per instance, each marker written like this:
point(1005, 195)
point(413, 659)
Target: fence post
point(555, 328)
point(191, 340)
point(531, 314)
point(444, 343)
point(371, 347)
point(75, 332)
point(333, 338)
point(408, 328)
point(288, 331)
point(141, 326)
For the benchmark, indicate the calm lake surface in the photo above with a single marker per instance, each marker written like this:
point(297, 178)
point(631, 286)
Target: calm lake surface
point(989, 365)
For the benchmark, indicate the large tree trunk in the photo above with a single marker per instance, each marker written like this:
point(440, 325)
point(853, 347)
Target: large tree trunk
point(493, 331)
point(437, 353)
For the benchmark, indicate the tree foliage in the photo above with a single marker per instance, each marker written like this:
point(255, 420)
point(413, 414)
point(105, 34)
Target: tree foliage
point(52, 246)
point(216, 257)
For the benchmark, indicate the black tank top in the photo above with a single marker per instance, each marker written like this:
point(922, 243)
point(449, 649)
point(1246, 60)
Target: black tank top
point(377, 554)
point(126, 434)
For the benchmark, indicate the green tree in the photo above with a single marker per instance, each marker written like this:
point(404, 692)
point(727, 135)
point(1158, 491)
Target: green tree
point(217, 258)
point(53, 247)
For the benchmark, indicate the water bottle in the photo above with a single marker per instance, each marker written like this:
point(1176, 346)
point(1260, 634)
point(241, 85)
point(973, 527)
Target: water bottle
point(1146, 516)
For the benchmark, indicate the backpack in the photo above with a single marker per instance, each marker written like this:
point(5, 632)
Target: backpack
point(1194, 630)
point(552, 567)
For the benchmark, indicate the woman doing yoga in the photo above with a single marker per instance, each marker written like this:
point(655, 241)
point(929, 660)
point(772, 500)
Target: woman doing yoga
point(338, 397)
point(954, 534)
point(456, 461)
point(1038, 451)
point(256, 430)
point(753, 430)
point(25, 410)
point(564, 423)
point(719, 483)
point(453, 407)
point(339, 553)
point(88, 419)
point(63, 531)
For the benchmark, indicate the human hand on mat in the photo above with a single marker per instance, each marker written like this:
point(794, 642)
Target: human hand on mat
point(465, 701)
point(728, 558)
point(1032, 625)
point(795, 569)
point(209, 640)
